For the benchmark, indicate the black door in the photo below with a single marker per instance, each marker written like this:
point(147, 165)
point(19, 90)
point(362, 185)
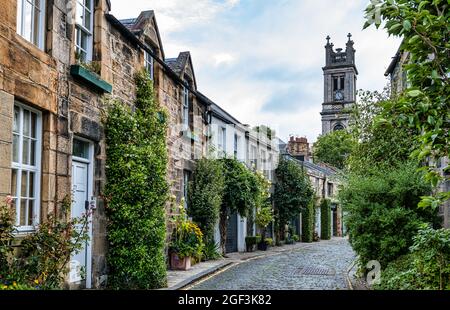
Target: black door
point(335, 223)
point(232, 234)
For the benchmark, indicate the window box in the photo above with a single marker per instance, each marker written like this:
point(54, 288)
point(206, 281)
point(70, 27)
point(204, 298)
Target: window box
point(83, 74)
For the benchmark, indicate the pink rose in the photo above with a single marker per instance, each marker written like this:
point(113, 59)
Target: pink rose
point(9, 200)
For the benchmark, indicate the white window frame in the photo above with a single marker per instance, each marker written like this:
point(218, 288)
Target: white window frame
point(149, 64)
point(36, 169)
point(40, 28)
point(222, 139)
point(88, 32)
point(185, 100)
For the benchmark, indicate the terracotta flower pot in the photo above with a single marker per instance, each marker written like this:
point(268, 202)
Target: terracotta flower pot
point(177, 263)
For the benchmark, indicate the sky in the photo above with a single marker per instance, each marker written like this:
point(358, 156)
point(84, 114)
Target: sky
point(261, 60)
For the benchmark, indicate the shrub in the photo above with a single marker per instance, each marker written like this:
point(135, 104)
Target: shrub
point(325, 219)
point(136, 190)
point(427, 266)
point(205, 196)
point(295, 238)
point(264, 216)
point(308, 223)
point(211, 251)
point(42, 259)
point(268, 241)
point(382, 213)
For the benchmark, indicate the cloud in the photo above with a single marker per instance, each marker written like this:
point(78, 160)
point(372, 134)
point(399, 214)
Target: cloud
point(262, 60)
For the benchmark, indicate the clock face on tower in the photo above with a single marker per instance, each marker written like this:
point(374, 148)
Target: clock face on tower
point(338, 95)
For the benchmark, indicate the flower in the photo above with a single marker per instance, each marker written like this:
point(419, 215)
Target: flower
point(36, 281)
point(9, 200)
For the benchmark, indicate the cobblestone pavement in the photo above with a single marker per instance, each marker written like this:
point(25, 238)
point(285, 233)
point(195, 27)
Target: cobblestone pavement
point(320, 266)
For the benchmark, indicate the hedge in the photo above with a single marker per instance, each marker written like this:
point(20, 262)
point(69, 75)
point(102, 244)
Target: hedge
point(136, 190)
point(325, 219)
point(308, 223)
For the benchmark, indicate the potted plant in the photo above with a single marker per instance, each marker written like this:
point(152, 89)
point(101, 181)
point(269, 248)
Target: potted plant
point(187, 243)
point(251, 242)
point(264, 216)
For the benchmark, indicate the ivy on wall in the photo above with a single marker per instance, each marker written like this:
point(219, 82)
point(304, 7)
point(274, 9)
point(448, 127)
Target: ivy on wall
point(136, 190)
point(325, 219)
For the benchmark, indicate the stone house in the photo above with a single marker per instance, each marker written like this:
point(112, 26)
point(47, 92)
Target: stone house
point(325, 182)
point(399, 82)
point(55, 75)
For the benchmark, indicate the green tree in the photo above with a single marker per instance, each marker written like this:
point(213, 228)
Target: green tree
point(205, 195)
point(424, 106)
point(136, 190)
point(293, 192)
point(238, 196)
point(333, 148)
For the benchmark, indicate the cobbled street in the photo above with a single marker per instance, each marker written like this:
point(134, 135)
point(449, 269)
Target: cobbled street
point(319, 266)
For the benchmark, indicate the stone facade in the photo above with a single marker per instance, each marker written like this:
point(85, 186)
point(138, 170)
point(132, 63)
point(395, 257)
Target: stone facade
point(340, 76)
point(299, 148)
point(41, 78)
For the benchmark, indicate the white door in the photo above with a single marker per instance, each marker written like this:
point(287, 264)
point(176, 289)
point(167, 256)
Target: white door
point(80, 264)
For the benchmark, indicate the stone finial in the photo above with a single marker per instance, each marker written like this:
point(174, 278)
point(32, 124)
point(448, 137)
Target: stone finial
point(349, 36)
point(328, 40)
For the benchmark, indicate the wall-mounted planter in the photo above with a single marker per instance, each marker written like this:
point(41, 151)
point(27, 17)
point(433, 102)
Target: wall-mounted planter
point(83, 74)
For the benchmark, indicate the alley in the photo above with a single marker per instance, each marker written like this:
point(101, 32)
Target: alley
point(320, 266)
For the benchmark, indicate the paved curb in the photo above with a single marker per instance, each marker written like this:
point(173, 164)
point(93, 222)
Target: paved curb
point(199, 276)
point(347, 275)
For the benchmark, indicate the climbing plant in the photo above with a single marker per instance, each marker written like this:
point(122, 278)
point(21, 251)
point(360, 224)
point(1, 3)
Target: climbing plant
point(205, 195)
point(136, 190)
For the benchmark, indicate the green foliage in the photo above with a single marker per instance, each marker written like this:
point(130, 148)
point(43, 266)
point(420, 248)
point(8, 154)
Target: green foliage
point(211, 251)
point(423, 107)
point(308, 222)
point(427, 266)
point(205, 195)
point(264, 216)
point(295, 238)
point(42, 259)
point(187, 238)
point(241, 194)
point(334, 148)
point(268, 241)
point(325, 219)
point(293, 192)
point(382, 212)
point(379, 146)
point(136, 190)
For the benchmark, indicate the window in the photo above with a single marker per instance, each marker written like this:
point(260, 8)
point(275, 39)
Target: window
point(338, 83)
point(84, 29)
point(263, 160)
point(148, 63)
point(222, 139)
point(31, 21)
point(236, 145)
point(25, 177)
point(253, 159)
point(330, 189)
point(185, 108)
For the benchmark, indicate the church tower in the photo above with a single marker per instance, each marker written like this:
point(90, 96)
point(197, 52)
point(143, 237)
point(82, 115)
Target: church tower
point(339, 86)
